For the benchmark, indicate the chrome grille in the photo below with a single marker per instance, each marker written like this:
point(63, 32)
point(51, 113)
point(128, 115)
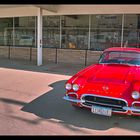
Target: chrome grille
point(115, 103)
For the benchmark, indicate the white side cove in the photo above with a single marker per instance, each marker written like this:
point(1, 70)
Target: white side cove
point(39, 37)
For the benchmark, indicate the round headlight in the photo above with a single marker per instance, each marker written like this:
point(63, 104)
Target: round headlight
point(75, 87)
point(68, 86)
point(135, 95)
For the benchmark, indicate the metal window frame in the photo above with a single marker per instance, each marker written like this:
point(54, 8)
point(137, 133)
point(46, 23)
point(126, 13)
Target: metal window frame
point(122, 32)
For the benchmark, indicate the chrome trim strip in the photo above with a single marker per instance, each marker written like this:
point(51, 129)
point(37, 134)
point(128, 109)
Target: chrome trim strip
point(135, 108)
point(112, 110)
point(106, 98)
point(73, 99)
point(131, 109)
point(135, 102)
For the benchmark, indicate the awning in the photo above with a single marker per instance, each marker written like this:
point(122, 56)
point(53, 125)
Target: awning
point(31, 10)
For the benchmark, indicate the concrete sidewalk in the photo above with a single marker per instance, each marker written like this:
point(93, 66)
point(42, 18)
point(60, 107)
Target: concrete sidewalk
point(60, 68)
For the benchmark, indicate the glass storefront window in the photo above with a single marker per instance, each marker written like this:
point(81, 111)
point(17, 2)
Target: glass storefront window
point(131, 35)
point(51, 31)
point(24, 31)
point(75, 31)
point(103, 38)
point(6, 35)
point(105, 31)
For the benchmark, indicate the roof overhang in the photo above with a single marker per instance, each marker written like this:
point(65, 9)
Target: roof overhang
point(25, 10)
point(48, 8)
point(98, 9)
point(31, 10)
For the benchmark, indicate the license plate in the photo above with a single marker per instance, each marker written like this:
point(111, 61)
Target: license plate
point(101, 110)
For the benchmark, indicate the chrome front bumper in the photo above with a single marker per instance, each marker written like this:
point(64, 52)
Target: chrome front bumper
point(82, 101)
point(131, 109)
point(73, 99)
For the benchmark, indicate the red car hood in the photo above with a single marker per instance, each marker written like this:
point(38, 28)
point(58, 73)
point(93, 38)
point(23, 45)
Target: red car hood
point(119, 74)
point(107, 80)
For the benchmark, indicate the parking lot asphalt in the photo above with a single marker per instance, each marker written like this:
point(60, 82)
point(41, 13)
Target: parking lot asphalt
point(31, 104)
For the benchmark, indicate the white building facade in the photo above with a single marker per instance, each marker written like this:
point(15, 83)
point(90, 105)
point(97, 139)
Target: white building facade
point(58, 30)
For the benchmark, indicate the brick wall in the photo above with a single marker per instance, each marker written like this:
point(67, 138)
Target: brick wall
point(71, 56)
point(4, 50)
point(49, 55)
point(93, 57)
point(20, 53)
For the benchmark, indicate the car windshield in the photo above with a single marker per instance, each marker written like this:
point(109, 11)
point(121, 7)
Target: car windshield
point(120, 57)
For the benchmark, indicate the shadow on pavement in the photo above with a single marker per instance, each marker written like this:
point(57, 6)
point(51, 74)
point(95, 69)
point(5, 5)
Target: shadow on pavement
point(51, 106)
point(60, 68)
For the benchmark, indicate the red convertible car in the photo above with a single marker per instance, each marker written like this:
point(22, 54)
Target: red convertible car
point(110, 86)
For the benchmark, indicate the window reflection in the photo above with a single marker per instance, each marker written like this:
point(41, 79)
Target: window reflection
point(132, 30)
point(105, 31)
point(72, 31)
point(6, 35)
point(75, 30)
point(51, 31)
point(24, 31)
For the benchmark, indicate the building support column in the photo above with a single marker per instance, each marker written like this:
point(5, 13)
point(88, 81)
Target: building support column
point(60, 32)
point(122, 31)
point(13, 31)
point(39, 37)
point(89, 32)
